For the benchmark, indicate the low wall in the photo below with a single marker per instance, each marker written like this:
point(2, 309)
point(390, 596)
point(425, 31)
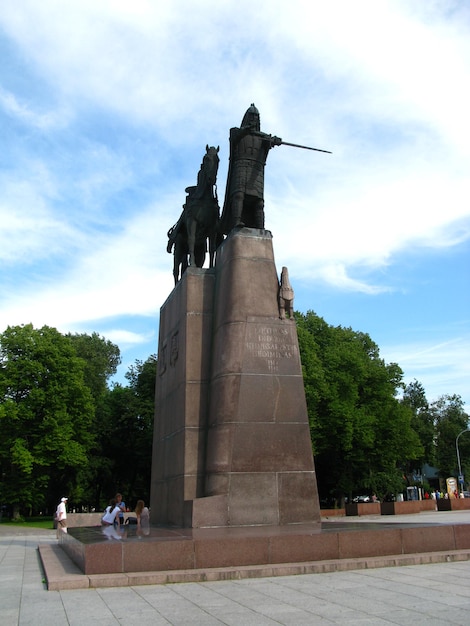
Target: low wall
point(401, 508)
point(460, 504)
point(428, 505)
point(80, 520)
point(363, 508)
point(392, 508)
point(453, 504)
point(416, 506)
point(83, 519)
point(332, 512)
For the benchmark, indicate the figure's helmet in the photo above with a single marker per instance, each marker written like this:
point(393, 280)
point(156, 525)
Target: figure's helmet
point(251, 118)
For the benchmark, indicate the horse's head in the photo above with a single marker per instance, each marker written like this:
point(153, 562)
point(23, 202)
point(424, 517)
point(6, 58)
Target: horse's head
point(210, 164)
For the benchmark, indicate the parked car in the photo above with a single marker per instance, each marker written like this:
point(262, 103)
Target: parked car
point(466, 494)
point(361, 499)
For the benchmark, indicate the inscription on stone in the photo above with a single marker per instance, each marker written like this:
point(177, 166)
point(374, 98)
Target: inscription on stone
point(270, 346)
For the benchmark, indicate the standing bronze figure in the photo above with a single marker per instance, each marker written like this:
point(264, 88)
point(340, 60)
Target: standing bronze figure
point(244, 194)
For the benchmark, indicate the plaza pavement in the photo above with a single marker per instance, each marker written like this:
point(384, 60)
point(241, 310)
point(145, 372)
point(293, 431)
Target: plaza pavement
point(435, 594)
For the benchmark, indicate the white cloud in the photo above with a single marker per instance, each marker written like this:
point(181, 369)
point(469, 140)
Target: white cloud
point(24, 113)
point(124, 338)
point(113, 275)
point(108, 107)
point(30, 229)
point(442, 367)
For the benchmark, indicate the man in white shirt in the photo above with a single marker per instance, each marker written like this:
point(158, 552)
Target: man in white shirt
point(61, 517)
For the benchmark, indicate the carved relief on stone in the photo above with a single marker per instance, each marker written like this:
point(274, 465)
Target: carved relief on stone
point(174, 349)
point(162, 360)
point(286, 296)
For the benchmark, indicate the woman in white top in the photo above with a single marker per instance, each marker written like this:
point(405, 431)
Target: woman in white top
point(110, 514)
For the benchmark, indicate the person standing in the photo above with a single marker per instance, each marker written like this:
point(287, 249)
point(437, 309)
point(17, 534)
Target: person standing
point(61, 517)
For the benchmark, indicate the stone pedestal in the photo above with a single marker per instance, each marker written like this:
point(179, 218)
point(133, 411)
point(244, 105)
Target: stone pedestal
point(246, 436)
point(181, 399)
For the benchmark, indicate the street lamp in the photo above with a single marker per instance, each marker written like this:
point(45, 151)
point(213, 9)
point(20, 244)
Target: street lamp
point(458, 455)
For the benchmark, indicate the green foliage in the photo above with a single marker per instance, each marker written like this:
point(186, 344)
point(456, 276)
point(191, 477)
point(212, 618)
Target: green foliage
point(101, 359)
point(123, 456)
point(422, 422)
point(449, 420)
point(65, 431)
point(386, 483)
point(361, 434)
point(46, 411)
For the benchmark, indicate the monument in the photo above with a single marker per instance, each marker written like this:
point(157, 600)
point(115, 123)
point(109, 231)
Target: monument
point(233, 478)
point(232, 441)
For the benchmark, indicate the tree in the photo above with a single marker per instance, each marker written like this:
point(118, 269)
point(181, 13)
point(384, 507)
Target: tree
point(46, 411)
point(126, 436)
point(361, 434)
point(101, 358)
point(422, 420)
point(449, 420)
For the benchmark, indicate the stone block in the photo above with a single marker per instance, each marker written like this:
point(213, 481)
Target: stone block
point(462, 536)
point(264, 447)
point(253, 499)
point(369, 543)
point(208, 512)
point(297, 497)
point(157, 556)
point(428, 539)
point(231, 551)
point(301, 547)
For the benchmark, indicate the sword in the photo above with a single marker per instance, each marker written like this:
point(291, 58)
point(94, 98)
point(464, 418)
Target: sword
point(296, 145)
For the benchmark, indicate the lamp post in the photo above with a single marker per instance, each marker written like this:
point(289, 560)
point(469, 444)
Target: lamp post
point(458, 455)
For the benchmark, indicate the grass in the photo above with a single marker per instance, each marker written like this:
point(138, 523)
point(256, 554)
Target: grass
point(33, 522)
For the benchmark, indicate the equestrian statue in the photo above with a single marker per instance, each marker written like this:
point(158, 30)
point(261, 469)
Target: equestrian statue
point(199, 228)
point(199, 221)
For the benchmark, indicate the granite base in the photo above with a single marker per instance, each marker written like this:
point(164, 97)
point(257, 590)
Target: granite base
point(164, 549)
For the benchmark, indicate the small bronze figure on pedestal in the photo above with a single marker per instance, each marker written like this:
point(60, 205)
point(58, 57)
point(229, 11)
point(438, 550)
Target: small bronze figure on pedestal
point(286, 296)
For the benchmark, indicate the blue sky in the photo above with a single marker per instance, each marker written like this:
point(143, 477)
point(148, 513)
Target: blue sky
point(105, 111)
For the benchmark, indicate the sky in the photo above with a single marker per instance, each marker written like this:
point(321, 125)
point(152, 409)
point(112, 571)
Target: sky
point(106, 107)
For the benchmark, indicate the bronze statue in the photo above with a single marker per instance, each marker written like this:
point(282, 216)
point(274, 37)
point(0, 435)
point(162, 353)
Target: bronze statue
point(244, 194)
point(199, 220)
point(178, 243)
point(286, 296)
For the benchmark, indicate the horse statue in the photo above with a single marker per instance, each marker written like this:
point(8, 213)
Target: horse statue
point(202, 206)
point(199, 221)
point(178, 242)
